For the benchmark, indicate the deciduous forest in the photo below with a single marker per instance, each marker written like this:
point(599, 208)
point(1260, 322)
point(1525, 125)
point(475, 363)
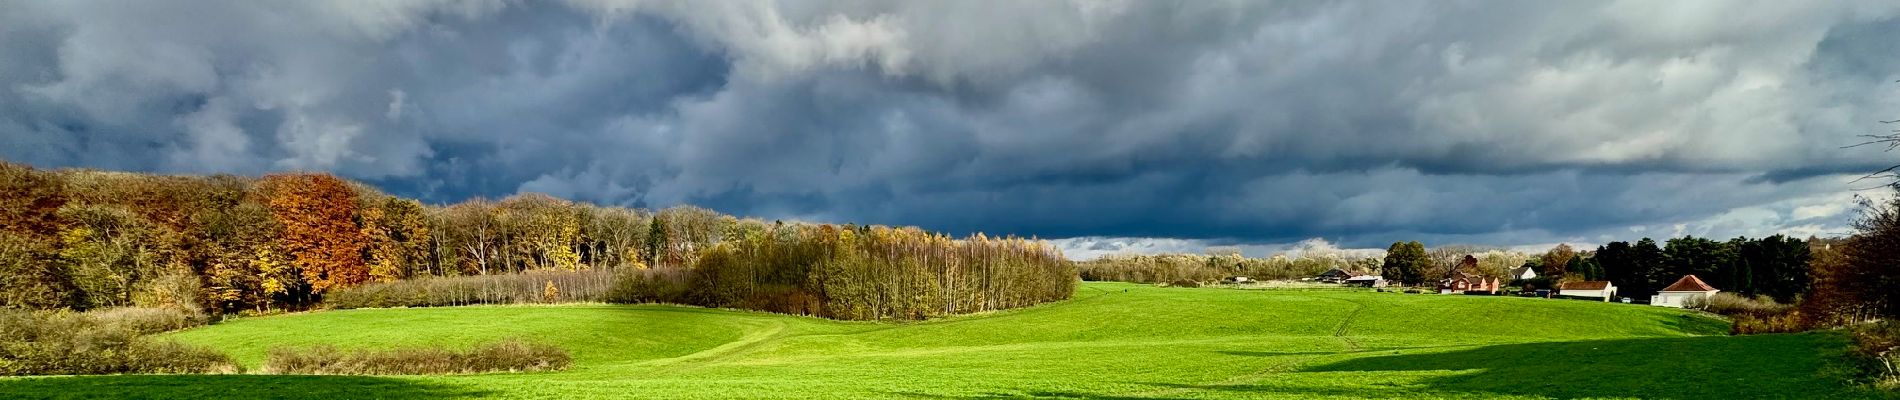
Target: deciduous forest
point(84, 239)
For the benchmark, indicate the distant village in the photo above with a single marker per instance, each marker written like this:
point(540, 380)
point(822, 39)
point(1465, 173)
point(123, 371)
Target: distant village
point(1461, 280)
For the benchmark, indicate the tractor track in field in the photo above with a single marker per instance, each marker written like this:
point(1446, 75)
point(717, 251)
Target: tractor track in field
point(1345, 325)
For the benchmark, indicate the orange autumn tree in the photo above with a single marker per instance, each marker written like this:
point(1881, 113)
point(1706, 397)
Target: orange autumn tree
point(318, 214)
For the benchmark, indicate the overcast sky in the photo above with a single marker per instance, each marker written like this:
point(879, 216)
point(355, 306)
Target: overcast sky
point(1124, 125)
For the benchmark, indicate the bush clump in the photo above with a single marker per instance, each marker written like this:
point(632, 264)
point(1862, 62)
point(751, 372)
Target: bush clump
point(150, 320)
point(1188, 283)
point(513, 355)
point(103, 342)
point(650, 285)
point(1876, 352)
point(1760, 314)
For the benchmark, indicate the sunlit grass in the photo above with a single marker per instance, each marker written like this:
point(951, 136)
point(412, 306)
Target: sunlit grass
point(1112, 341)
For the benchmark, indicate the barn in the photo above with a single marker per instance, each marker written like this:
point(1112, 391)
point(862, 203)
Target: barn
point(1591, 289)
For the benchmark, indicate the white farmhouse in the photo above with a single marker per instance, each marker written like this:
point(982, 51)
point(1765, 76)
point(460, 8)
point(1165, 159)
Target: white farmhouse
point(1678, 294)
point(1522, 274)
point(1592, 289)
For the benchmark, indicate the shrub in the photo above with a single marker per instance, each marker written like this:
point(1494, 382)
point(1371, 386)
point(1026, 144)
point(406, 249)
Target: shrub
point(1751, 316)
point(655, 285)
point(528, 287)
point(1184, 282)
point(1874, 352)
point(1779, 323)
point(1732, 304)
point(512, 355)
point(108, 342)
point(150, 320)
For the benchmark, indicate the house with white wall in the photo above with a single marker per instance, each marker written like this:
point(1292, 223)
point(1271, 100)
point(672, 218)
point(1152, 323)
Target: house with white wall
point(1522, 274)
point(1680, 293)
point(1592, 289)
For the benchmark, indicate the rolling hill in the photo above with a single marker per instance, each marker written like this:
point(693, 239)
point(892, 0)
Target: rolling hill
point(1113, 340)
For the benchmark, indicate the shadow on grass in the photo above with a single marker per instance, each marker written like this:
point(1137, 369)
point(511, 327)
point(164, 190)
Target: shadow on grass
point(1713, 367)
point(1039, 394)
point(1697, 324)
point(227, 386)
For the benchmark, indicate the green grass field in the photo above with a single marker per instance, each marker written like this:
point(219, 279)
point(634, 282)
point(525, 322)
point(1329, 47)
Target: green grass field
point(1112, 341)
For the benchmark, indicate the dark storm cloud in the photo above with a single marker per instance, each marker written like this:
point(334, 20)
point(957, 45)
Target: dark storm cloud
point(1246, 122)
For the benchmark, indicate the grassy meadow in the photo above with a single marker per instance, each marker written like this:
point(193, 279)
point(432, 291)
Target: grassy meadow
point(1113, 340)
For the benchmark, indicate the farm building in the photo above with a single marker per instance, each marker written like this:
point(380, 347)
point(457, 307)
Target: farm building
point(1334, 275)
point(1371, 281)
point(1592, 289)
point(1680, 293)
point(1461, 282)
point(1522, 274)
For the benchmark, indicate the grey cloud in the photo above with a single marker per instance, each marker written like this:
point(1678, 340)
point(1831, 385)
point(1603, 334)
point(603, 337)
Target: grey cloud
point(1244, 122)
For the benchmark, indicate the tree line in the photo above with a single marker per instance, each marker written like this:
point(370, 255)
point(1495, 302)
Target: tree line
point(84, 239)
point(1207, 268)
point(859, 273)
point(1776, 266)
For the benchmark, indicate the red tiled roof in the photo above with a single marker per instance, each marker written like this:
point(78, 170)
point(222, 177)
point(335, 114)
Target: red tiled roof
point(1689, 283)
point(1584, 285)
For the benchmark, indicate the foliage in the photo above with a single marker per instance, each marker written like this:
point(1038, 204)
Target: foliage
point(1876, 352)
point(1834, 300)
point(523, 288)
point(512, 355)
point(31, 277)
point(1556, 262)
point(29, 200)
point(649, 285)
point(866, 273)
point(101, 342)
point(149, 320)
point(1164, 268)
point(82, 239)
point(1857, 279)
point(317, 213)
point(1761, 314)
point(1405, 263)
point(1872, 260)
point(1776, 266)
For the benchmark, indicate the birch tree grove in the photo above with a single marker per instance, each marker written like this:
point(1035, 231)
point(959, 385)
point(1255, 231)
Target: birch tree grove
point(873, 273)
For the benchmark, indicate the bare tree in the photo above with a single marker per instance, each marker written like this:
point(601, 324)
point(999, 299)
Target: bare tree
point(1891, 140)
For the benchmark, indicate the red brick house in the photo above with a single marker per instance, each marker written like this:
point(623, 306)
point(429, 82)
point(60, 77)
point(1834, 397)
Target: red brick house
point(1461, 281)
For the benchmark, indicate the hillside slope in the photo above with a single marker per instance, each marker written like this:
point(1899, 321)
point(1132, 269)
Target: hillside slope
point(1112, 341)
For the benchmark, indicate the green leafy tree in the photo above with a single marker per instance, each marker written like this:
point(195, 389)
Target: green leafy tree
point(1556, 262)
point(1406, 262)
